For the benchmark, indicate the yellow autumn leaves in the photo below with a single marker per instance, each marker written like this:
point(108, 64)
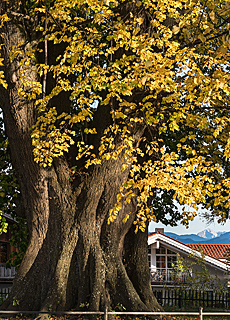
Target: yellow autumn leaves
point(3, 19)
point(166, 65)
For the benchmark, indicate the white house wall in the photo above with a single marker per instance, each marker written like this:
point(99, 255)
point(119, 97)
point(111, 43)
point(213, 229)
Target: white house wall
point(222, 275)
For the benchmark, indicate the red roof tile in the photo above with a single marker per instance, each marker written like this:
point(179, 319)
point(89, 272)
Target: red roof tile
point(217, 251)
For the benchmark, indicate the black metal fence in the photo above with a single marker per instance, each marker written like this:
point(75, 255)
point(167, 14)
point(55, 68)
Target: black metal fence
point(193, 298)
point(4, 293)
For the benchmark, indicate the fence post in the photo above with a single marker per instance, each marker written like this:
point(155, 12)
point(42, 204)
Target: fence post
point(105, 312)
point(180, 299)
point(200, 313)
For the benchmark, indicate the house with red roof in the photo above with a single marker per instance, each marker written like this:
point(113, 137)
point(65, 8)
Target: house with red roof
point(165, 251)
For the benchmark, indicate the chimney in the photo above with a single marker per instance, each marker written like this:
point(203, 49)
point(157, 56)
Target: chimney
point(160, 230)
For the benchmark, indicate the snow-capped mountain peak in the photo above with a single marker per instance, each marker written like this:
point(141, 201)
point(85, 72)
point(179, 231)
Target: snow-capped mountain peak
point(208, 234)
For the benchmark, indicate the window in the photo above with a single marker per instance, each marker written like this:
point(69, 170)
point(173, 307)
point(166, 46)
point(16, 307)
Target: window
point(160, 261)
point(149, 256)
point(3, 252)
point(170, 261)
point(165, 259)
point(161, 250)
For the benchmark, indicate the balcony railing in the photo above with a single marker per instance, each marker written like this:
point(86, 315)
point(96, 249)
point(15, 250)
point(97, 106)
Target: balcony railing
point(167, 275)
point(7, 273)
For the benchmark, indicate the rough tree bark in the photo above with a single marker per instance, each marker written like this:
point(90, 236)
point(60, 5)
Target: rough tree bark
point(73, 256)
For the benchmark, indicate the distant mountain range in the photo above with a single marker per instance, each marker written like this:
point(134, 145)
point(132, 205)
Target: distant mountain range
point(205, 236)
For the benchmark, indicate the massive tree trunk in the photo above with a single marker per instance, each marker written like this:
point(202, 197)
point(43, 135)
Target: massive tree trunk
point(74, 256)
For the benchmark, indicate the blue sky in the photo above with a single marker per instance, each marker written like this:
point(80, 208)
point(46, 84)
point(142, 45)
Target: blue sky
point(195, 226)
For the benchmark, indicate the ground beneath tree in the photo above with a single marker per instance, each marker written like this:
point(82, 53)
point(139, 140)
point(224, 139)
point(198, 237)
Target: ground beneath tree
point(20, 317)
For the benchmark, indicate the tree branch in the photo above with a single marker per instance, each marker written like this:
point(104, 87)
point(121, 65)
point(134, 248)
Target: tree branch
point(46, 61)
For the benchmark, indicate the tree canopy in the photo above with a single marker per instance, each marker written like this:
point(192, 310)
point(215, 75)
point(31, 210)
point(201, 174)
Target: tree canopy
point(143, 84)
point(162, 66)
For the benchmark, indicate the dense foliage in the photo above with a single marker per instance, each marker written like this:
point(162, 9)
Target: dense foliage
point(161, 65)
point(9, 193)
